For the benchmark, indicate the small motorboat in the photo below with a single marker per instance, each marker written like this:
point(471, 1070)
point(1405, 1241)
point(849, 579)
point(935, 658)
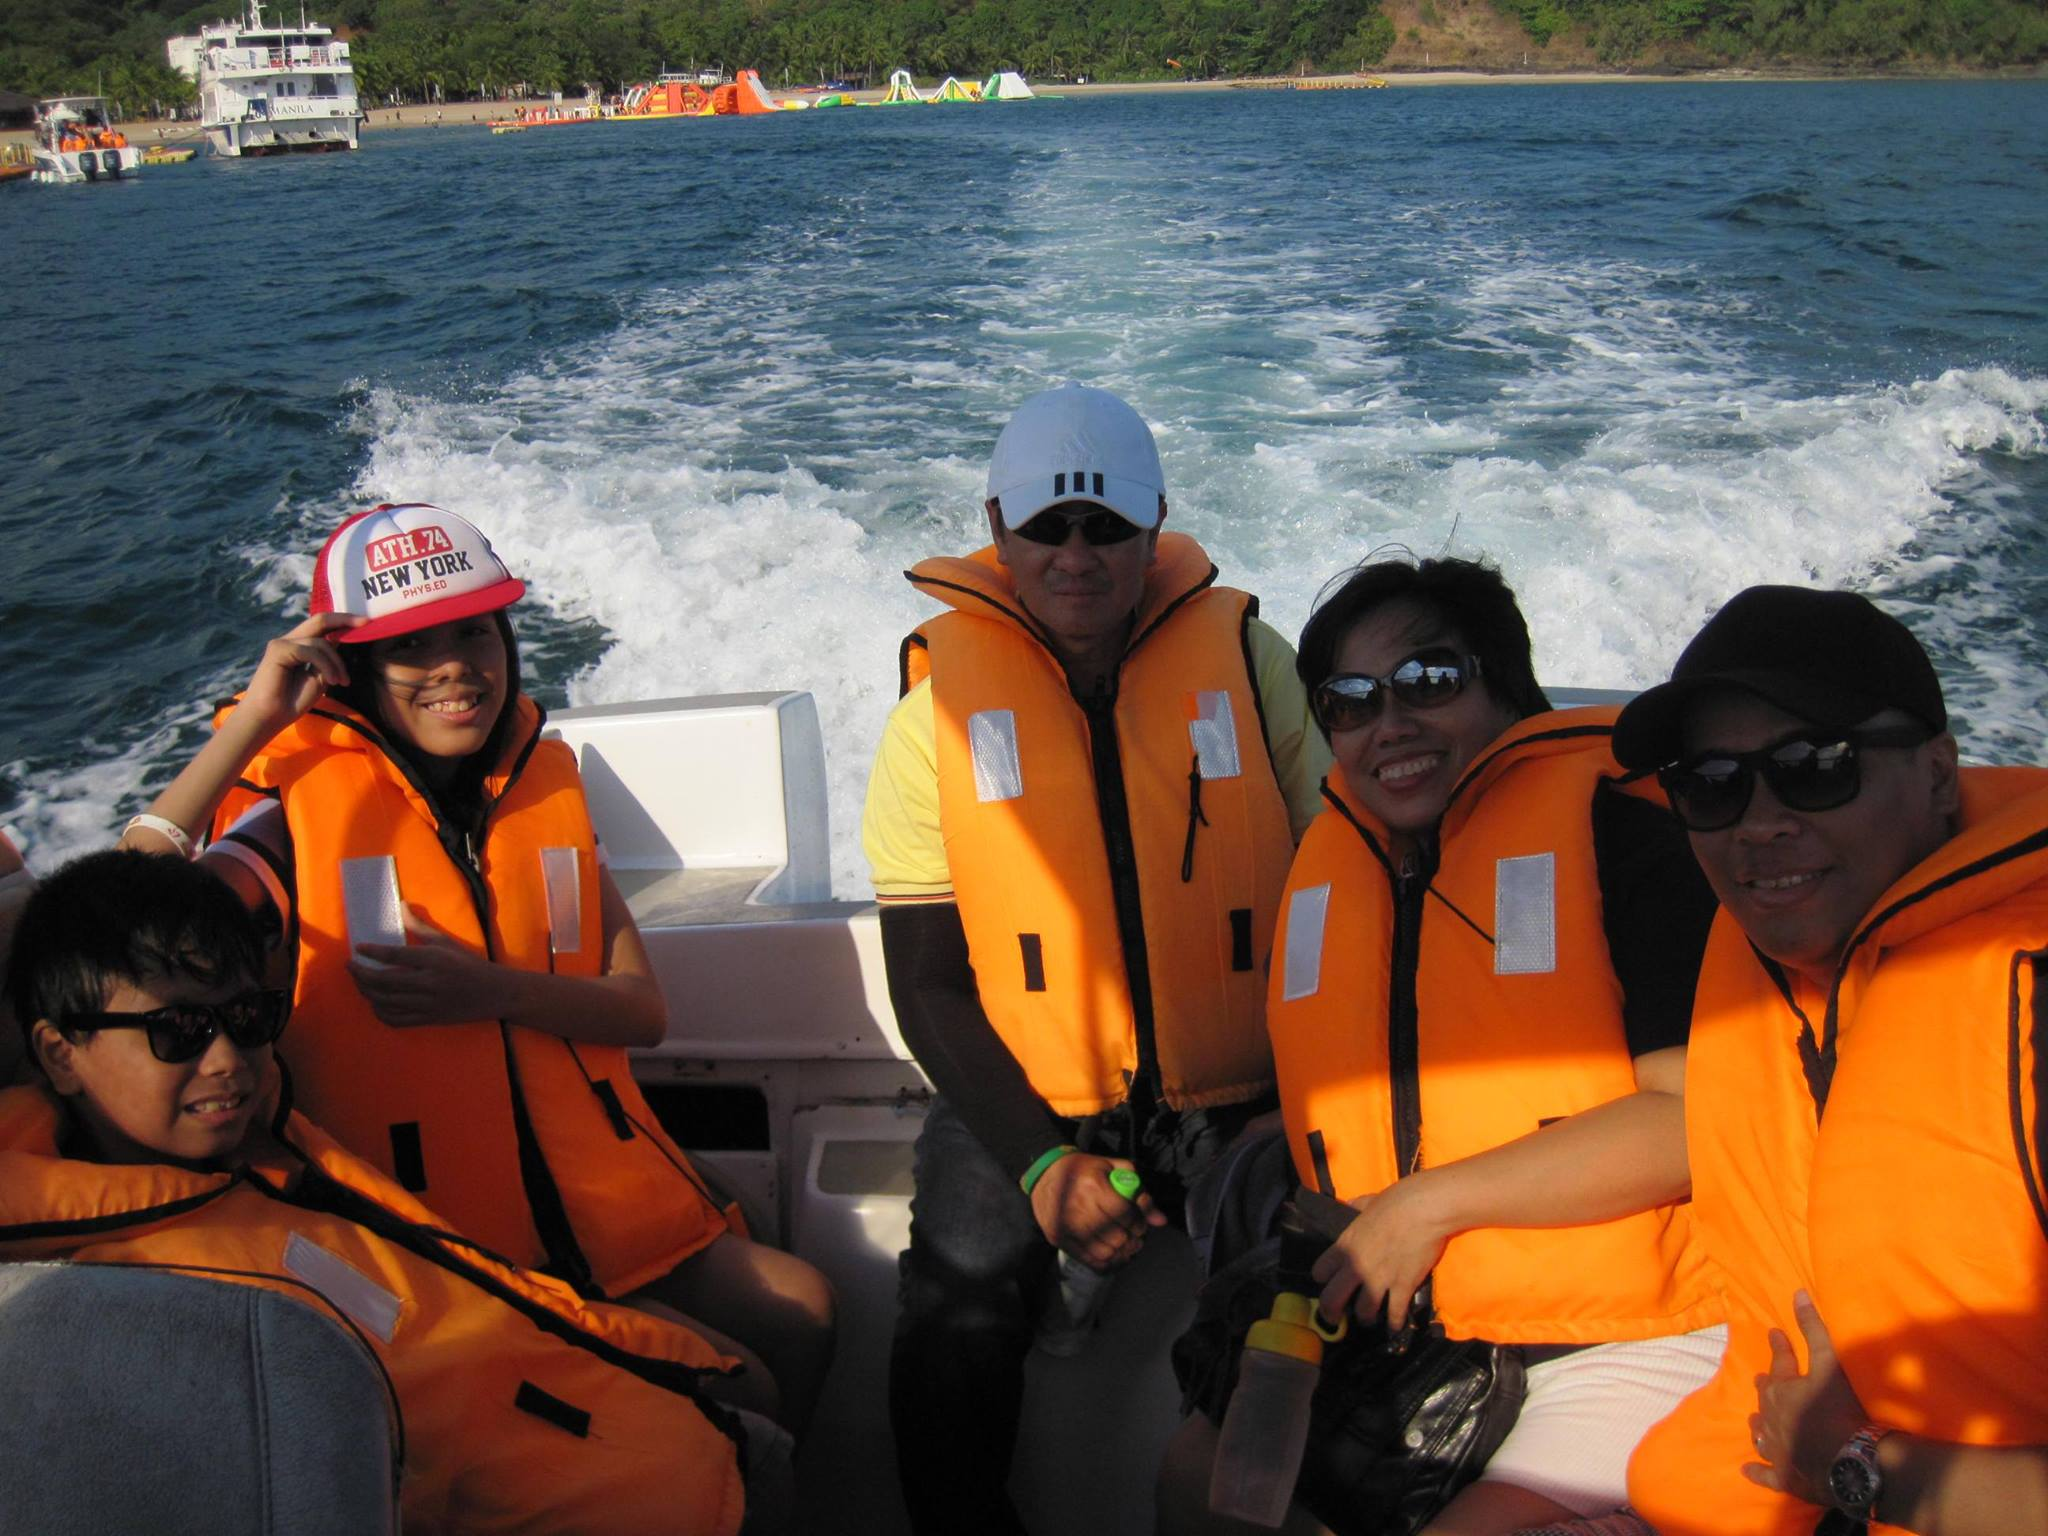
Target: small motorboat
point(76, 140)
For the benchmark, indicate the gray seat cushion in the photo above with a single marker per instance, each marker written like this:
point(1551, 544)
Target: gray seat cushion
point(145, 1401)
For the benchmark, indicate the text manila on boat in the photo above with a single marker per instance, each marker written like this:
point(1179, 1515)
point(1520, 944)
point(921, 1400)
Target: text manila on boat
point(270, 89)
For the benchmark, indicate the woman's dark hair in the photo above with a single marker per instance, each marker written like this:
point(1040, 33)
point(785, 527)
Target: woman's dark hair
point(122, 915)
point(1468, 596)
point(463, 797)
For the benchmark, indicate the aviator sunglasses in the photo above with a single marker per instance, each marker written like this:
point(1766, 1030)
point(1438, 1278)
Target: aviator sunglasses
point(1806, 773)
point(1426, 680)
point(181, 1031)
point(1098, 527)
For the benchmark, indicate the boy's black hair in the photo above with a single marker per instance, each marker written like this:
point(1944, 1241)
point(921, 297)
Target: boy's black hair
point(464, 796)
point(122, 915)
point(1469, 596)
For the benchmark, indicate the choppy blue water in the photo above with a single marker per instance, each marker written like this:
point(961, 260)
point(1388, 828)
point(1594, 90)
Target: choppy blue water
point(711, 385)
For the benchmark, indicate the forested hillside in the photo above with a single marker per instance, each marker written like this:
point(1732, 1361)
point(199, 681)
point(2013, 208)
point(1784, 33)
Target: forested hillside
point(411, 49)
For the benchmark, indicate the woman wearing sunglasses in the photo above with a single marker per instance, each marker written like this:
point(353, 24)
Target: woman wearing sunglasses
point(1486, 954)
point(468, 975)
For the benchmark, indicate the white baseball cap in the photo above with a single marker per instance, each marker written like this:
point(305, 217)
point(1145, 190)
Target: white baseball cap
point(1076, 444)
point(408, 567)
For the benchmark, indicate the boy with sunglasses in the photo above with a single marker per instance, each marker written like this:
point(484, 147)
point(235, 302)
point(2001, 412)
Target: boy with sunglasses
point(162, 1134)
point(1863, 1096)
point(1079, 821)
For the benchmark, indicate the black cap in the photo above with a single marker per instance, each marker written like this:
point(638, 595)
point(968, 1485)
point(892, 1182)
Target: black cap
point(1831, 658)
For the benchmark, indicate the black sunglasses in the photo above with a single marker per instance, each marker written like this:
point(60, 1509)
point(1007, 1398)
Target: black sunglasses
point(1424, 681)
point(1098, 527)
point(182, 1031)
point(1710, 791)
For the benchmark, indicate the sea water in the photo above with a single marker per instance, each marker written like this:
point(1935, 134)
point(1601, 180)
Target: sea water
point(710, 386)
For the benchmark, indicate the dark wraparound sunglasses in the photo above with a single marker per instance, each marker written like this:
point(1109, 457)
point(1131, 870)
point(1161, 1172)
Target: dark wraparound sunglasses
point(184, 1030)
point(1709, 792)
point(1098, 527)
point(1425, 680)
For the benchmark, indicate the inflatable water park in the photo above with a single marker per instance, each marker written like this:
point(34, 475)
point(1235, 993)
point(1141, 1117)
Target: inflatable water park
point(672, 95)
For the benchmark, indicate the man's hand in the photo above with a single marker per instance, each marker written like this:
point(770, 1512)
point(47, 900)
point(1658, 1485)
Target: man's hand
point(431, 979)
point(1082, 1214)
point(1802, 1422)
point(1384, 1255)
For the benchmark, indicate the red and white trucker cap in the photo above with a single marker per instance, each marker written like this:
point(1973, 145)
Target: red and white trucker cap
point(407, 567)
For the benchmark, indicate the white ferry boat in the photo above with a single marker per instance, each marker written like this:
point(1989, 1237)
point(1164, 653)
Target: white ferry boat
point(267, 89)
point(76, 140)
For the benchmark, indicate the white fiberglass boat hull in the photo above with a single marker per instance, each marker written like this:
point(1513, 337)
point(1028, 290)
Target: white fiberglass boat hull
point(63, 167)
point(287, 135)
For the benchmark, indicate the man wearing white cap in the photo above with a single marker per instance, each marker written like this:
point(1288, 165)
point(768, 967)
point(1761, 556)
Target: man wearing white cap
point(1079, 821)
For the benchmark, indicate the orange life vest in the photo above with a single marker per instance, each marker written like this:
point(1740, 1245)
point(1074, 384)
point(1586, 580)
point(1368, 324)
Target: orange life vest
point(1516, 1021)
point(522, 1408)
point(1911, 1209)
point(540, 1148)
point(1116, 862)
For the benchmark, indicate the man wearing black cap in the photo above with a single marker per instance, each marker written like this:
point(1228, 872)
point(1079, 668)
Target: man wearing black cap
point(1863, 1092)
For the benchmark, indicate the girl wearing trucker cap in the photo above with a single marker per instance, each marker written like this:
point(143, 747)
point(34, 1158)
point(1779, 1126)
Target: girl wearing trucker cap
point(468, 976)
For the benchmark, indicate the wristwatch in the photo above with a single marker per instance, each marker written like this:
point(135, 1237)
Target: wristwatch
point(1854, 1481)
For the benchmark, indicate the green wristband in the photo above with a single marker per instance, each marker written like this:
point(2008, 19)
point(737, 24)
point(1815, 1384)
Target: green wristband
point(1045, 1160)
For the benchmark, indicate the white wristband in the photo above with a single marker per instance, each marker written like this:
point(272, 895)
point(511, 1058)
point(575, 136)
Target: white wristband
point(165, 828)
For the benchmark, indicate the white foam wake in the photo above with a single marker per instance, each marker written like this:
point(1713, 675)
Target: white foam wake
point(731, 484)
point(711, 578)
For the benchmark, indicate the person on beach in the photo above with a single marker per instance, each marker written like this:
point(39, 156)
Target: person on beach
point(1487, 898)
point(469, 977)
point(161, 1133)
point(1864, 1100)
point(1078, 821)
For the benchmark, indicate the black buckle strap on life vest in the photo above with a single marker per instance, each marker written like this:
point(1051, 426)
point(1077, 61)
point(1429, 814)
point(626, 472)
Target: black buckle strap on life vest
point(2032, 1023)
point(1319, 1163)
point(1251, 677)
point(1031, 950)
point(1113, 810)
point(1457, 912)
point(408, 1159)
point(615, 1111)
point(913, 639)
point(545, 1405)
point(1404, 1019)
point(543, 1198)
point(142, 1216)
point(1816, 1052)
point(1195, 818)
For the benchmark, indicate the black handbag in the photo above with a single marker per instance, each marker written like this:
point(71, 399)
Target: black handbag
point(1398, 1424)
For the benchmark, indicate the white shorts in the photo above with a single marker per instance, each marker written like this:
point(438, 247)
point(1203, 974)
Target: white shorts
point(1585, 1411)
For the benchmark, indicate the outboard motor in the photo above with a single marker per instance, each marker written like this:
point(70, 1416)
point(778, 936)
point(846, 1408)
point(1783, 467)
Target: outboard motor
point(112, 160)
point(89, 163)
